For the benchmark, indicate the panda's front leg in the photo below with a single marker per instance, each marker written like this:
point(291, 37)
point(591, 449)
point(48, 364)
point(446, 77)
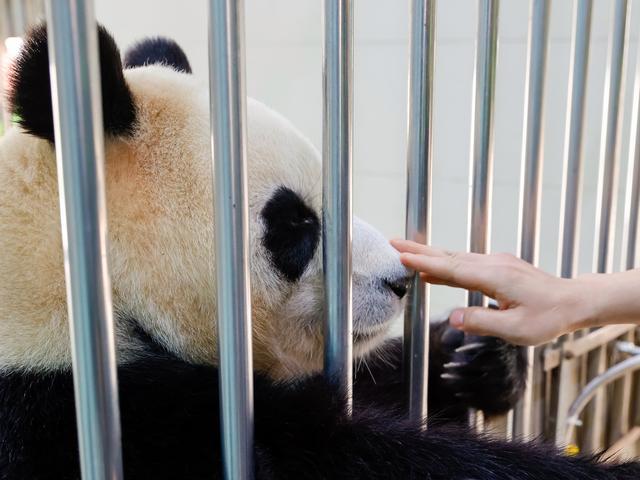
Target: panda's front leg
point(464, 372)
point(470, 371)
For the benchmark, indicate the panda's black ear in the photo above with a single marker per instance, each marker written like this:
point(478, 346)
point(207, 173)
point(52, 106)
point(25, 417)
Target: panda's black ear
point(29, 93)
point(157, 50)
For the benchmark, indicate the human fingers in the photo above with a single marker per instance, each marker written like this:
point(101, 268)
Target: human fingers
point(410, 246)
point(451, 271)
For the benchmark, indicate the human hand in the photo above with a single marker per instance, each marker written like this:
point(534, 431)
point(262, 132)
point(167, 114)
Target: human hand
point(535, 307)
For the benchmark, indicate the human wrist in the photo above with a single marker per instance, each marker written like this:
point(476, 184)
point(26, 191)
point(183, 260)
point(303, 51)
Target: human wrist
point(590, 293)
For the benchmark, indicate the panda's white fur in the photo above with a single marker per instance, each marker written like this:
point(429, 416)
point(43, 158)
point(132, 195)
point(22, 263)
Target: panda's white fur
point(160, 223)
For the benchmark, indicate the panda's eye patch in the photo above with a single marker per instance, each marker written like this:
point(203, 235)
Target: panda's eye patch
point(292, 232)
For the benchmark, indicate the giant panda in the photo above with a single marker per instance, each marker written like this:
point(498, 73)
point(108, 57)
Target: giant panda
point(159, 199)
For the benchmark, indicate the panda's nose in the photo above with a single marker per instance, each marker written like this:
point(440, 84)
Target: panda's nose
point(399, 286)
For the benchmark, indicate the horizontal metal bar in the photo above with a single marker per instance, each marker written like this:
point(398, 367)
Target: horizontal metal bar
point(79, 143)
point(580, 346)
point(595, 339)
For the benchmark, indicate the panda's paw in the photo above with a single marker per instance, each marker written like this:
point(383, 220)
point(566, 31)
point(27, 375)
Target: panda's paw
point(485, 373)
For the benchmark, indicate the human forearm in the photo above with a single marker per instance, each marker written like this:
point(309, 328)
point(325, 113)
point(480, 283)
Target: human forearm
point(610, 299)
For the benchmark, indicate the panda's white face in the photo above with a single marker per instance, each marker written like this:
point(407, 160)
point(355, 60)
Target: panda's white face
point(159, 200)
point(285, 188)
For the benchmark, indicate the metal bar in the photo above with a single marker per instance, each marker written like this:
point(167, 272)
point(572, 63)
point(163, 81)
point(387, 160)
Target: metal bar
point(580, 346)
point(619, 414)
point(567, 384)
point(19, 16)
point(631, 232)
point(481, 171)
point(336, 194)
point(594, 340)
point(610, 141)
point(606, 213)
point(572, 172)
point(530, 189)
point(6, 30)
point(77, 113)
point(418, 221)
point(229, 142)
point(589, 391)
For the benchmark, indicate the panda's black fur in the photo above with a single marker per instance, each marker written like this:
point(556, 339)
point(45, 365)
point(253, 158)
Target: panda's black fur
point(169, 407)
point(170, 430)
point(30, 94)
point(157, 50)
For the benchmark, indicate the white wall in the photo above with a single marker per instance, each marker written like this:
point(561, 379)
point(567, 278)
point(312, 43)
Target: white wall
point(284, 70)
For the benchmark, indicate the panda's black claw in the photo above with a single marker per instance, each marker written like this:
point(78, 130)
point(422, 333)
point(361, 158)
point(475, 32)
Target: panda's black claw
point(453, 365)
point(468, 347)
point(485, 373)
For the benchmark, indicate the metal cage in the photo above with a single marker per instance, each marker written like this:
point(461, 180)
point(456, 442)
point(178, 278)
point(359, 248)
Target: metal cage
point(570, 382)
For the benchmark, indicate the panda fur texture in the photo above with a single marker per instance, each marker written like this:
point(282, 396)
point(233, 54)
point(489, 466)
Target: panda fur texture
point(159, 201)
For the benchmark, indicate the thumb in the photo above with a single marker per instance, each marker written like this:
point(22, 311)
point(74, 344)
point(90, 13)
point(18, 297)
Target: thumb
point(483, 321)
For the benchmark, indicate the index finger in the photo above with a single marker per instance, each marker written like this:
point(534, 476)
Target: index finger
point(410, 246)
point(453, 271)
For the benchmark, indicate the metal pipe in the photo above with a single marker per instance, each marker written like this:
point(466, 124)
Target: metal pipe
point(19, 16)
point(229, 143)
point(336, 194)
point(606, 213)
point(631, 232)
point(6, 29)
point(481, 171)
point(572, 169)
point(530, 189)
point(418, 220)
point(567, 384)
point(79, 142)
point(588, 392)
point(610, 142)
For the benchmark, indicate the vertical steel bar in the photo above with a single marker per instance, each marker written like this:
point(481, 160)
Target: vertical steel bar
point(610, 141)
point(481, 171)
point(418, 220)
point(19, 16)
point(229, 143)
point(568, 382)
point(7, 29)
point(530, 189)
point(606, 212)
point(631, 232)
point(77, 112)
point(336, 193)
point(481, 168)
point(572, 169)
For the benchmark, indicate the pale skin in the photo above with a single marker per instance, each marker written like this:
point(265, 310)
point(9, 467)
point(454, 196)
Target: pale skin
point(535, 307)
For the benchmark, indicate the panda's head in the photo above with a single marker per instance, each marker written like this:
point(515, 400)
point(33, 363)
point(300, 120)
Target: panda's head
point(160, 220)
